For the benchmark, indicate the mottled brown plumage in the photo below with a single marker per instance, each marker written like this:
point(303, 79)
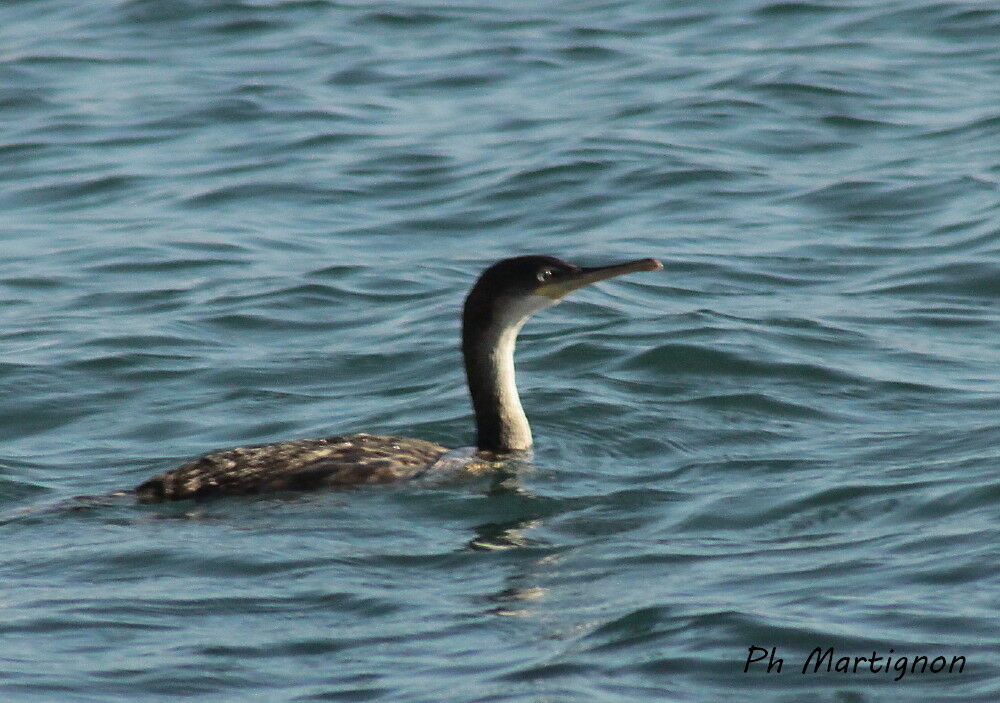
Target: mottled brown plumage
point(305, 464)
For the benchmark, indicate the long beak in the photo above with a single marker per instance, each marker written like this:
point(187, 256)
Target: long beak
point(585, 276)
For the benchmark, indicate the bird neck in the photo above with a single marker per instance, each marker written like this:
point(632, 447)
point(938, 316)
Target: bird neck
point(488, 340)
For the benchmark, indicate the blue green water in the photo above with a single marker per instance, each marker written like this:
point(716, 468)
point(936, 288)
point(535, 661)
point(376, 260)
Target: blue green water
point(245, 221)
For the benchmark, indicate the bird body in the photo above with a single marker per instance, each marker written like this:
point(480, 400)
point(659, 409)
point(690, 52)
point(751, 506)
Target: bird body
point(500, 302)
point(297, 465)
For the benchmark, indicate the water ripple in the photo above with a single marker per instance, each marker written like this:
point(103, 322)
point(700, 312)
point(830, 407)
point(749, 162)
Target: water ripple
point(239, 222)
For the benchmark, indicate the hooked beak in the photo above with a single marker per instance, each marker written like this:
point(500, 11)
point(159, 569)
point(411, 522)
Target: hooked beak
point(568, 282)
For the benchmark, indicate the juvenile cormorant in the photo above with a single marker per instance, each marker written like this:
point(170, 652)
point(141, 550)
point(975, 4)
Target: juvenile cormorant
point(503, 298)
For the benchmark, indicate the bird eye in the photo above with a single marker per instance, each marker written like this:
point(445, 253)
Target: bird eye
point(544, 275)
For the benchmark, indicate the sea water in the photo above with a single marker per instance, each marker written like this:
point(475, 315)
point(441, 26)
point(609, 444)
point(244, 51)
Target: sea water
point(241, 221)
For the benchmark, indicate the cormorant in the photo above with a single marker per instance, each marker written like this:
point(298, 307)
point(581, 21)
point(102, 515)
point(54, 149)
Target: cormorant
point(502, 299)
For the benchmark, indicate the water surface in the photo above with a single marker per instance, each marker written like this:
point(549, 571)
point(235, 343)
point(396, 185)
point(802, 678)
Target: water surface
point(234, 222)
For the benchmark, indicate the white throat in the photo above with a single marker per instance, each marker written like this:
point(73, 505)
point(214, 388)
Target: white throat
point(496, 356)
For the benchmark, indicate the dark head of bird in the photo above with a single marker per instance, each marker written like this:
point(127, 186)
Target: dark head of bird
point(504, 297)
